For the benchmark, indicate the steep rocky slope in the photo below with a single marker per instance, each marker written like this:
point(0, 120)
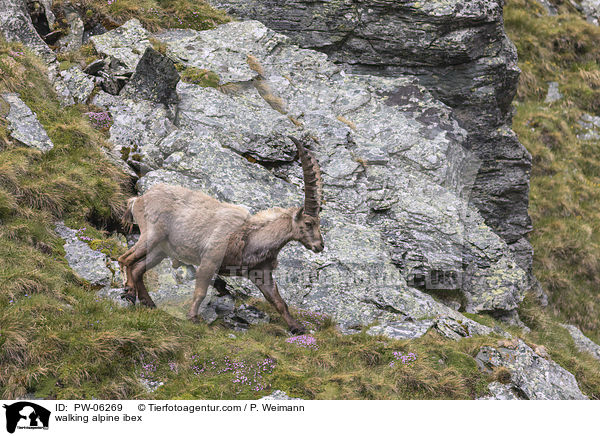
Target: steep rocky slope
point(394, 163)
point(409, 253)
point(458, 50)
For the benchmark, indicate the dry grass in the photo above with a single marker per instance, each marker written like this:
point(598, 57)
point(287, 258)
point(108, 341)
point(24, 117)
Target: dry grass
point(154, 14)
point(565, 182)
point(58, 340)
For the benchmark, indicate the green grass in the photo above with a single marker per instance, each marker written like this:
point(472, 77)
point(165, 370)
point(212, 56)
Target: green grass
point(197, 76)
point(565, 181)
point(59, 340)
point(154, 14)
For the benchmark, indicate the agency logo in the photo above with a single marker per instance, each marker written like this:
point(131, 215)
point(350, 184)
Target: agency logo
point(26, 415)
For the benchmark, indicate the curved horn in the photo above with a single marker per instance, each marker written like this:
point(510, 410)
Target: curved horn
point(313, 184)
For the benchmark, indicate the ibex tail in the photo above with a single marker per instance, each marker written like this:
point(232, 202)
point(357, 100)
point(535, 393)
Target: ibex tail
point(127, 219)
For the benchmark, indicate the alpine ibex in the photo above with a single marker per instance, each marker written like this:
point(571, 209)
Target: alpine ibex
point(220, 238)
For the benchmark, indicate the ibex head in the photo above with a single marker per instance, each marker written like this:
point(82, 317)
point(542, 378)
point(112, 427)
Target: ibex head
point(306, 223)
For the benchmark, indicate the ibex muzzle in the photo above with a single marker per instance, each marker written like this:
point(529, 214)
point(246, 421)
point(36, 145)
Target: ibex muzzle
point(220, 238)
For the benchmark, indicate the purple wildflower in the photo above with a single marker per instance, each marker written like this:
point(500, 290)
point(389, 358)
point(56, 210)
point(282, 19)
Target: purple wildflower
point(405, 359)
point(305, 341)
point(100, 120)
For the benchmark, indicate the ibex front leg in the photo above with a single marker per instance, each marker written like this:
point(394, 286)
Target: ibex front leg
point(204, 276)
point(264, 280)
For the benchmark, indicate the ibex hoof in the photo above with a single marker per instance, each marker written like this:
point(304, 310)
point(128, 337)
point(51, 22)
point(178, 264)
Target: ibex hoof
point(297, 330)
point(195, 318)
point(129, 297)
point(148, 303)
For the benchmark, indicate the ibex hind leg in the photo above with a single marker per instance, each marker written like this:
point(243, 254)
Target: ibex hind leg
point(128, 260)
point(129, 285)
point(137, 275)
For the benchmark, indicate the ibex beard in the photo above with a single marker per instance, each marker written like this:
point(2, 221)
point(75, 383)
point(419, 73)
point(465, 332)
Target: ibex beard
point(219, 238)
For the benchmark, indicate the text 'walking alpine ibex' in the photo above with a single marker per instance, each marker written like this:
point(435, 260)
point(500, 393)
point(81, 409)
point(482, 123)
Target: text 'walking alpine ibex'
point(220, 238)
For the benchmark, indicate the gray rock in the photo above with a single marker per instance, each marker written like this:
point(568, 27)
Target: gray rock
point(62, 90)
point(138, 126)
point(534, 377)
point(279, 396)
point(548, 7)
point(113, 294)
point(457, 49)
point(553, 93)
point(155, 79)
point(457, 328)
point(91, 265)
point(591, 10)
point(500, 391)
point(88, 264)
point(582, 342)
point(591, 127)
point(402, 329)
point(125, 44)
point(24, 125)
point(74, 38)
point(16, 25)
point(452, 325)
point(80, 84)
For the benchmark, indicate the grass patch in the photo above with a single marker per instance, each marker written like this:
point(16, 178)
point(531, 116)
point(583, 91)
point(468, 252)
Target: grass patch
point(565, 181)
point(154, 14)
point(59, 340)
point(198, 76)
point(561, 348)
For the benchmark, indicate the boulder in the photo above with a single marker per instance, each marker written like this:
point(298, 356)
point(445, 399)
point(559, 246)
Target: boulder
point(402, 329)
point(553, 93)
point(16, 25)
point(155, 79)
point(548, 7)
point(590, 8)
point(499, 391)
point(590, 125)
point(88, 264)
point(74, 38)
point(80, 85)
point(532, 376)
point(24, 125)
point(279, 396)
point(450, 324)
point(91, 265)
point(125, 44)
point(582, 342)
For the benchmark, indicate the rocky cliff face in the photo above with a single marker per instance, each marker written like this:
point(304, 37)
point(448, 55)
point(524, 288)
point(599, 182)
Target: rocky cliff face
point(458, 50)
point(401, 163)
point(399, 170)
point(396, 168)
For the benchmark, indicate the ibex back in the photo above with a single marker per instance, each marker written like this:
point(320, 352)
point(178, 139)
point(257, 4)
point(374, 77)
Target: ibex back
point(219, 238)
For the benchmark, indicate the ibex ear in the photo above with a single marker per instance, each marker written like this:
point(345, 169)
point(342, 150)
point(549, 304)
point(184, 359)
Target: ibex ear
point(299, 214)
